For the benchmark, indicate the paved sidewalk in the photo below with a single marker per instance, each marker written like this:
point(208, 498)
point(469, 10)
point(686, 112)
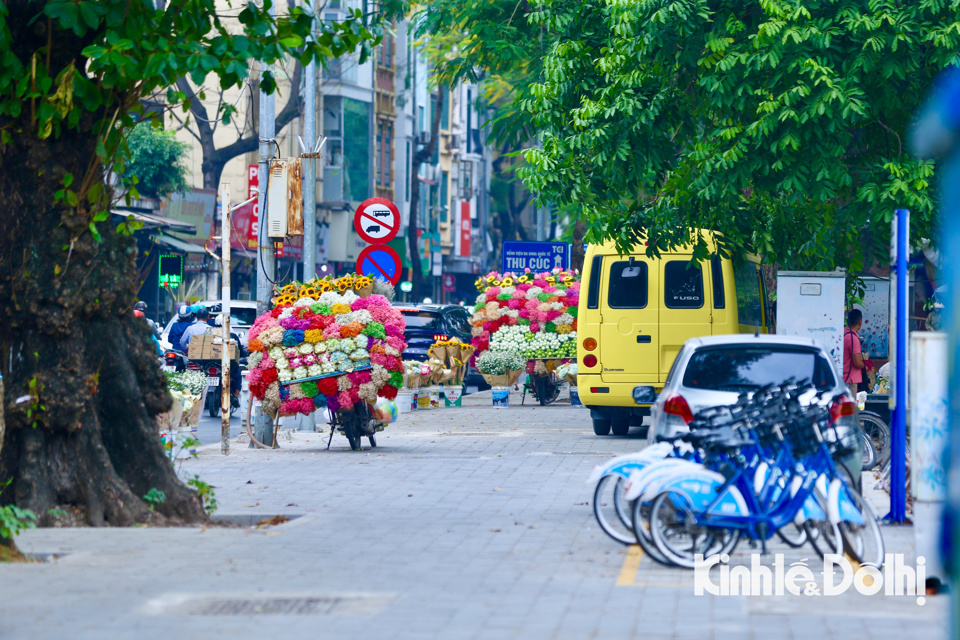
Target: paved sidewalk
point(463, 523)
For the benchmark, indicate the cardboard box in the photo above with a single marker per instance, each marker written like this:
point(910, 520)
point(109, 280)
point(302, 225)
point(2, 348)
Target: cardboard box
point(208, 346)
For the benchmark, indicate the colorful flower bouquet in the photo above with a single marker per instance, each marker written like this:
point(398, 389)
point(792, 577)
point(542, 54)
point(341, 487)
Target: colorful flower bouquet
point(329, 349)
point(534, 315)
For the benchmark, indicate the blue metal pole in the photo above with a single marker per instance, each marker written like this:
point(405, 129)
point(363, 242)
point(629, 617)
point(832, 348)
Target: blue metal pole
point(898, 457)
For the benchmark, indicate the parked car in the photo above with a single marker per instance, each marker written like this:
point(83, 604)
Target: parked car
point(243, 313)
point(429, 323)
point(714, 371)
point(635, 312)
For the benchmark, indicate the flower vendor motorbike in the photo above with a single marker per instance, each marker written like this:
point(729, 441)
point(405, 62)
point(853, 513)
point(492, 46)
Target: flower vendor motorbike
point(542, 383)
point(355, 423)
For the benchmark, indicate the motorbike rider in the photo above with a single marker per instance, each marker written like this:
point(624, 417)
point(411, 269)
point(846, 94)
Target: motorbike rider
point(200, 326)
point(184, 320)
point(156, 343)
point(142, 308)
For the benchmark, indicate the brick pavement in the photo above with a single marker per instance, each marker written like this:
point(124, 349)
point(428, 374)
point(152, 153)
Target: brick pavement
point(463, 523)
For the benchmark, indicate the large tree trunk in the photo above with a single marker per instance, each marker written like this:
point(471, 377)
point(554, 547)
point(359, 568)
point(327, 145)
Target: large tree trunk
point(577, 252)
point(82, 380)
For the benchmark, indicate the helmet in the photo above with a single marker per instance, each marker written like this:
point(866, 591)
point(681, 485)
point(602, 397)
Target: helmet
point(140, 306)
point(200, 311)
point(185, 311)
point(194, 308)
point(219, 320)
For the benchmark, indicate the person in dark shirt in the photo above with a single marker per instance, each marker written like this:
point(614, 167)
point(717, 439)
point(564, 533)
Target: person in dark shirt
point(184, 320)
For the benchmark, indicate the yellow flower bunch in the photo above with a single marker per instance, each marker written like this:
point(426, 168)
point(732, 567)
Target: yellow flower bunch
point(362, 282)
point(324, 286)
point(289, 289)
point(283, 300)
point(340, 308)
point(523, 279)
point(567, 279)
point(345, 283)
point(552, 279)
point(308, 292)
point(480, 284)
point(507, 282)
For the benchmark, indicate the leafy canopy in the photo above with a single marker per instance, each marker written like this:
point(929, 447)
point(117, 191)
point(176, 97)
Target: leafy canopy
point(156, 159)
point(777, 122)
point(96, 60)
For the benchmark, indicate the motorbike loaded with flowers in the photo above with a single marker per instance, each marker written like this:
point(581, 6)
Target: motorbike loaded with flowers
point(331, 344)
point(533, 315)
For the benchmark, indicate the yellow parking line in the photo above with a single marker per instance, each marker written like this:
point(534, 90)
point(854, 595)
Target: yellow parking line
point(631, 564)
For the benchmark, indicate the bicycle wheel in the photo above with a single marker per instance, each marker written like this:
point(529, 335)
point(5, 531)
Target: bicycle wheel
point(864, 542)
point(679, 537)
point(823, 535)
point(879, 433)
point(607, 501)
point(793, 534)
point(640, 519)
point(869, 452)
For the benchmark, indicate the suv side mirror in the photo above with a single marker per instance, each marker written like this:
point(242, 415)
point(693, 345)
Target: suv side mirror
point(644, 395)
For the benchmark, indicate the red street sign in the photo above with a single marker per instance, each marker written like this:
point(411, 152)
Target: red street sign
point(449, 283)
point(253, 181)
point(377, 220)
point(380, 261)
point(464, 229)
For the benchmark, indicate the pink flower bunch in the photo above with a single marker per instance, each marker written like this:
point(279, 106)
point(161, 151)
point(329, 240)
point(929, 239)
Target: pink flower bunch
point(333, 331)
point(264, 322)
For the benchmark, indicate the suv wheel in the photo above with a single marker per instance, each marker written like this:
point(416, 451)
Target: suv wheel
point(621, 427)
point(601, 427)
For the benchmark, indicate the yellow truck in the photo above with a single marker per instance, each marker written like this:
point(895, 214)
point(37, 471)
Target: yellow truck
point(636, 312)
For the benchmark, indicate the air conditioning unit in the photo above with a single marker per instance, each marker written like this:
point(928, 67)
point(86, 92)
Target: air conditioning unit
point(423, 138)
point(285, 198)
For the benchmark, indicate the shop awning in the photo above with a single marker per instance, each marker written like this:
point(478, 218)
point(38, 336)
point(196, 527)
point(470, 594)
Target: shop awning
point(179, 245)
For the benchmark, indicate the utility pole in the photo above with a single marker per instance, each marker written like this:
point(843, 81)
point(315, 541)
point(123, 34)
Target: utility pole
point(309, 159)
point(225, 377)
point(267, 263)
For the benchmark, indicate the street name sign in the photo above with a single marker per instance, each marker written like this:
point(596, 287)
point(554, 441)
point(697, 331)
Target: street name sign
point(536, 256)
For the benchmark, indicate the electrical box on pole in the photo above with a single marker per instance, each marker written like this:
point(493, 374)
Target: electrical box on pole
point(285, 198)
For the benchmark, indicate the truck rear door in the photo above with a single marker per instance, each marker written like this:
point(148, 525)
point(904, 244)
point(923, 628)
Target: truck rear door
point(685, 312)
point(630, 305)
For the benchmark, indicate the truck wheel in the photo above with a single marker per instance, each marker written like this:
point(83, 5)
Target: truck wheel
point(621, 427)
point(601, 427)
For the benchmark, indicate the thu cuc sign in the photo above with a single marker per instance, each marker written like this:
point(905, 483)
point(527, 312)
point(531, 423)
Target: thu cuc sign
point(536, 256)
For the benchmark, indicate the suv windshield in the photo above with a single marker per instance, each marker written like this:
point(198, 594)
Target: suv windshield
point(743, 368)
point(422, 319)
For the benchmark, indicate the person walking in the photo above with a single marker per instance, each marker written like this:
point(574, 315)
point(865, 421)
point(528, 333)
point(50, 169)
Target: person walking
point(854, 364)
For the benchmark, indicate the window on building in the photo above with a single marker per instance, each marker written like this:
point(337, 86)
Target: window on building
point(445, 116)
point(421, 117)
point(379, 153)
point(469, 120)
point(444, 196)
point(356, 150)
point(388, 156)
point(466, 179)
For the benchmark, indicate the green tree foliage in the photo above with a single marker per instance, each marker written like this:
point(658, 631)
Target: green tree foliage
point(155, 157)
point(778, 122)
point(74, 75)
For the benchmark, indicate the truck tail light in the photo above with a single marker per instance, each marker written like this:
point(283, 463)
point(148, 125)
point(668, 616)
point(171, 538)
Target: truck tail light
point(590, 344)
point(438, 337)
point(676, 405)
point(589, 360)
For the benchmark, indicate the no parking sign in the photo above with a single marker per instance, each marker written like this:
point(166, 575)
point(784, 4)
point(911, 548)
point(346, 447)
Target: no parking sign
point(380, 261)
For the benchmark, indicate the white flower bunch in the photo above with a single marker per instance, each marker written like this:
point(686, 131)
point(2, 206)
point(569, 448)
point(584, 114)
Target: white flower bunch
point(513, 313)
point(320, 347)
point(286, 313)
point(330, 298)
point(498, 363)
point(508, 290)
point(282, 363)
point(300, 372)
point(564, 318)
point(315, 370)
point(305, 348)
point(276, 353)
point(349, 297)
point(305, 302)
point(481, 300)
point(189, 381)
point(510, 338)
point(533, 292)
point(347, 345)
point(556, 306)
point(285, 375)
